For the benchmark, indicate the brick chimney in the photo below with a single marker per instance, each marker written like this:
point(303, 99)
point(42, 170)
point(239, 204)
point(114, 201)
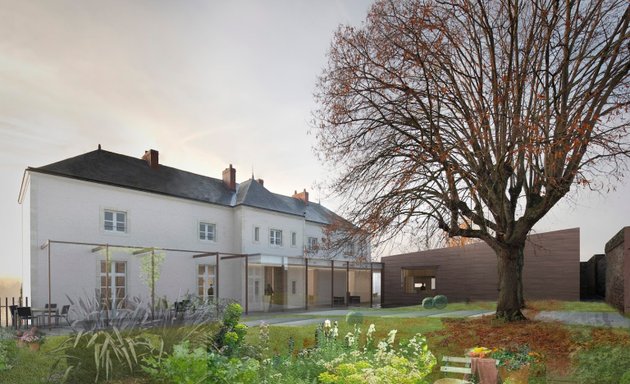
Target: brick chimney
point(229, 178)
point(302, 196)
point(261, 182)
point(152, 158)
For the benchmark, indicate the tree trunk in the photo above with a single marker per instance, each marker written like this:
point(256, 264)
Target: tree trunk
point(510, 266)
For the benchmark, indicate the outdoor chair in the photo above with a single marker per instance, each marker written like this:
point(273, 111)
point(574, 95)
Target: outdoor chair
point(461, 365)
point(25, 314)
point(13, 310)
point(64, 314)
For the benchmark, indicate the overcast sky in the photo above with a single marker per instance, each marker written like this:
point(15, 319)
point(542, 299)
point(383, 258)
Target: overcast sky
point(207, 83)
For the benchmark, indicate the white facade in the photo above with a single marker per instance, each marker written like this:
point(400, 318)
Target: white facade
point(66, 209)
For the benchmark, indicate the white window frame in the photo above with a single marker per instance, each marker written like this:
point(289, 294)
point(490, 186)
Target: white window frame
point(209, 278)
point(275, 237)
point(112, 274)
point(256, 234)
point(114, 221)
point(293, 239)
point(204, 232)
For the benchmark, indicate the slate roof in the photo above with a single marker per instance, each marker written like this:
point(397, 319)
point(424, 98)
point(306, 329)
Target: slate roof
point(114, 169)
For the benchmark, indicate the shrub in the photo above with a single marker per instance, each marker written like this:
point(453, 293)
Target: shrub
point(231, 335)
point(440, 301)
point(346, 359)
point(409, 363)
point(625, 379)
point(427, 303)
point(92, 356)
point(354, 318)
point(182, 366)
point(186, 366)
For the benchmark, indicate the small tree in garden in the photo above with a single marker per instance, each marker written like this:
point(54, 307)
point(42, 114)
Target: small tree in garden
point(437, 113)
point(150, 270)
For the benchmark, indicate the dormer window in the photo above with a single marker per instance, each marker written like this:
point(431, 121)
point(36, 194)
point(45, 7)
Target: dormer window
point(115, 221)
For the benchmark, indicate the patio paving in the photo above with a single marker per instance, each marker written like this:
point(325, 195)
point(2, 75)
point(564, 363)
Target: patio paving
point(412, 314)
point(460, 314)
point(597, 319)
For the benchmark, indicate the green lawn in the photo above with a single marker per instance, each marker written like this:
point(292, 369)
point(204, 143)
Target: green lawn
point(304, 336)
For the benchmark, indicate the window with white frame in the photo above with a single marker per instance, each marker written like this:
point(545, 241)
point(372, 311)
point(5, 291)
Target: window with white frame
point(275, 237)
point(293, 239)
point(349, 249)
point(113, 283)
point(205, 281)
point(312, 243)
point(256, 234)
point(207, 231)
point(114, 221)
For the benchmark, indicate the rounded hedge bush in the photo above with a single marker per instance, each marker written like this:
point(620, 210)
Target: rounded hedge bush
point(354, 318)
point(427, 303)
point(440, 301)
point(625, 379)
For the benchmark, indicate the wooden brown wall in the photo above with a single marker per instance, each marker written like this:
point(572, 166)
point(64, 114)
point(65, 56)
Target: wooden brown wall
point(551, 271)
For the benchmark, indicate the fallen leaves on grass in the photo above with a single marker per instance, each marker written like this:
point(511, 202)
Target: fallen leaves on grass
point(553, 340)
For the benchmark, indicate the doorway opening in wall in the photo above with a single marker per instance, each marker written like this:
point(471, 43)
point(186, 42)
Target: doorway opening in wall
point(275, 287)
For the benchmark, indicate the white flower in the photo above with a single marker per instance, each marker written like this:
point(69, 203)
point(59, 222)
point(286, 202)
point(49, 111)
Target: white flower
point(326, 323)
point(391, 336)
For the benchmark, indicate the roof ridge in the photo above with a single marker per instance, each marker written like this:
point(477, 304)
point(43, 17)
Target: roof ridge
point(123, 171)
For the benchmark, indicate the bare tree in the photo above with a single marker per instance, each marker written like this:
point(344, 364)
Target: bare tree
point(486, 112)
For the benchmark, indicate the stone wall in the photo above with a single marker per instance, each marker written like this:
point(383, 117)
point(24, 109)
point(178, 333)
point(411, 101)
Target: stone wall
point(593, 278)
point(618, 270)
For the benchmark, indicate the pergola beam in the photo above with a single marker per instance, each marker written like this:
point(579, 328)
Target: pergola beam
point(144, 250)
point(206, 254)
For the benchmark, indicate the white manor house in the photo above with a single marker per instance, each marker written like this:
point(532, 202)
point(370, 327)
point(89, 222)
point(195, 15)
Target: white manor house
point(94, 222)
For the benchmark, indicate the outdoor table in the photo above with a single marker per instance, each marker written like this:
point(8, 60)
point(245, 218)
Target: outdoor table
point(42, 313)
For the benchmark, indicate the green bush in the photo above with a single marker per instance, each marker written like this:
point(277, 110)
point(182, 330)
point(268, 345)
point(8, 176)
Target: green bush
point(182, 366)
point(354, 318)
point(231, 335)
point(427, 303)
point(625, 379)
point(602, 365)
point(440, 301)
point(186, 366)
